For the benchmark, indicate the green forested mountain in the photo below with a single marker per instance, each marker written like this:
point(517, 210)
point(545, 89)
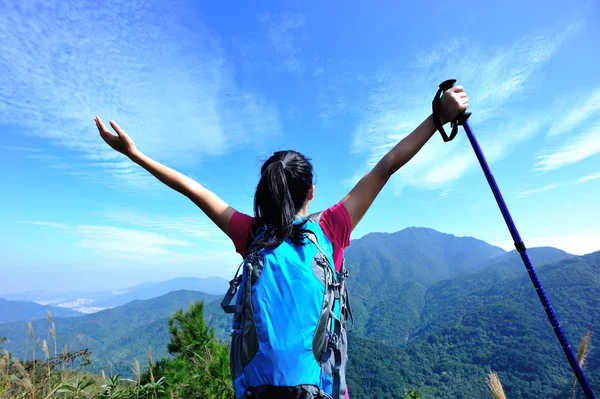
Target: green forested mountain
point(449, 300)
point(440, 335)
point(509, 333)
point(118, 335)
point(390, 274)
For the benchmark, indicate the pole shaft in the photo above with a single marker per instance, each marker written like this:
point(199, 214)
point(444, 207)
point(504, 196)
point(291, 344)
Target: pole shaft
point(528, 265)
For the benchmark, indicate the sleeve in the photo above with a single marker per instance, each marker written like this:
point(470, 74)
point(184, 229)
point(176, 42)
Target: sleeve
point(336, 224)
point(239, 228)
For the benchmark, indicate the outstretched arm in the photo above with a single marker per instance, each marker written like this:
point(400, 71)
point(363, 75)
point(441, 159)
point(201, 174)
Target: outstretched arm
point(213, 206)
point(361, 197)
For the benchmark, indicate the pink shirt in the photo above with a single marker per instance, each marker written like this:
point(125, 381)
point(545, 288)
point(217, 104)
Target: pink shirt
point(335, 222)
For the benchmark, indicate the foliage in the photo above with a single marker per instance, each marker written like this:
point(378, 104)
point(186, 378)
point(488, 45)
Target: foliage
point(412, 394)
point(114, 336)
point(438, 338)
point(200, 367)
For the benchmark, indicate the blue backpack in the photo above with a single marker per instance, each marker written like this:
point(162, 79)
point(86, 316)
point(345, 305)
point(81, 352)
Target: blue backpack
point(289, 320)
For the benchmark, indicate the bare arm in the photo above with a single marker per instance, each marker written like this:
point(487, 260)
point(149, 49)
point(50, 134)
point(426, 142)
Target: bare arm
point(361, 197)
point(214, 207)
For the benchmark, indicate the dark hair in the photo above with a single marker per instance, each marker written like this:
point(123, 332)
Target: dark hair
point(285, 182)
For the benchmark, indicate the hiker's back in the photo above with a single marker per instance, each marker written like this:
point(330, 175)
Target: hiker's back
point(287, 330)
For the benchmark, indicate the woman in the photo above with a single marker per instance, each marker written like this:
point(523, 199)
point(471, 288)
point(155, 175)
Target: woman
point(282, 198)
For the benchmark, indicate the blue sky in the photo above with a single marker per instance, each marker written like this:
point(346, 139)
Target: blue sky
point(212, 89)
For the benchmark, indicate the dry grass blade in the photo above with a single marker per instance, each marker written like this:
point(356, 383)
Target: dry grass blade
point(53, 331)
point(584, 348)
point(47, 354)
point(20, 367)
point(137, 372)
point(150, 365)
point(45, 349)
point(24, 382)
point(493, 383)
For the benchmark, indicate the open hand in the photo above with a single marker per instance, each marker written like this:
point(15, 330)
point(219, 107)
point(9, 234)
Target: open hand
point(121, 142)
point(454, 102)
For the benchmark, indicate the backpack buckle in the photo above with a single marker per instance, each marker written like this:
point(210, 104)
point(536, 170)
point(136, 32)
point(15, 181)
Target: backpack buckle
point(343, 275)
point(334, 341)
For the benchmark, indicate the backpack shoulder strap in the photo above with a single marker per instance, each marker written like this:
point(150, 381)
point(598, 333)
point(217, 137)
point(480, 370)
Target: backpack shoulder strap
point(315, 217)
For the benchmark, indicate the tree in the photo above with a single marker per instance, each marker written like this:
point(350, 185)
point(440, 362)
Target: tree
point(199, 368)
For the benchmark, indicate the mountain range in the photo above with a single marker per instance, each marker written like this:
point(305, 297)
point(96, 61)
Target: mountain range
point(90, 302)
point(11, 311)
point(433, 312)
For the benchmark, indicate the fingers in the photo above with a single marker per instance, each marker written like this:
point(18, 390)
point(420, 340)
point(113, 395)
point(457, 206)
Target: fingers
point(104, 132)
point(106, 135)
point(118, 129)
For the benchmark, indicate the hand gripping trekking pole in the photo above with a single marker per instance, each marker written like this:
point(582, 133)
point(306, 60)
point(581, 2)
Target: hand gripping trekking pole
point(519, 245)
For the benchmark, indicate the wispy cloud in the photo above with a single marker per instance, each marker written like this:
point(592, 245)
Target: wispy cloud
point(20, 149)
point(398, 98)
point(193, 226)
point(580, 112)
point(279, 32)
point(169, 85)
point(553, 186)
point(543, 189)
point(55, 225)
point(583, 127)
point(594, 176)
point(148, 247)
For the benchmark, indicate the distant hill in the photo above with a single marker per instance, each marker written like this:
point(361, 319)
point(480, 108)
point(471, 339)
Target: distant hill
point(208, 285)
point(390, 274)
point(119, 335)
point(89, 302)
point(439, 335)
point(513, 336)
point(449, 300)
point(11, 311)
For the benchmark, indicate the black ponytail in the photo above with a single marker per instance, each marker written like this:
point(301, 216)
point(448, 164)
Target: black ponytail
point(285, 182)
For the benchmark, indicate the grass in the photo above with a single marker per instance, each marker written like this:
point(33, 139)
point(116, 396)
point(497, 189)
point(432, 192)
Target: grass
point(63, 376)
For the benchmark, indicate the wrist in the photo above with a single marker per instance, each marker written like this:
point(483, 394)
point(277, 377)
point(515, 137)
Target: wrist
point(135, 155)
point(444, 119)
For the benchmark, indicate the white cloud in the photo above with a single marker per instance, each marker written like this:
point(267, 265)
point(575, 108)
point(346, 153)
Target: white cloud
point(126, 242)
point(594, 176)
point(397, 99)
point(279, 28)
point(552, 186)
point(193, 226)
point(582, 143)
point(580, 111)
point(169, 86)
point(20, 149)
point(156, 244)
point(111, 240)
point(55, 225)
point(542, 189)
point(186, 245)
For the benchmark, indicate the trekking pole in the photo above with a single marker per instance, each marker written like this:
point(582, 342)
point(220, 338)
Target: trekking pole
point(519, 245)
